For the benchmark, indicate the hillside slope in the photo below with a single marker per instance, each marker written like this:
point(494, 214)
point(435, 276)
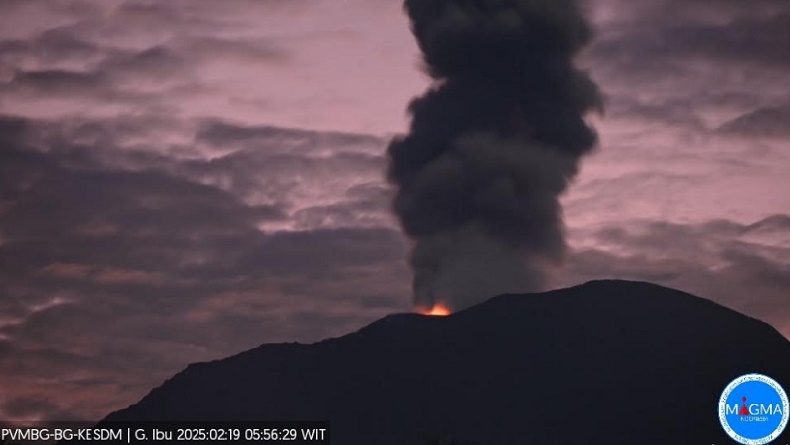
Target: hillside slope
point(611, 362)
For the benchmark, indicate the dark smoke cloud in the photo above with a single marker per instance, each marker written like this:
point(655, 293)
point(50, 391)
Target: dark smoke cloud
point(491, 145)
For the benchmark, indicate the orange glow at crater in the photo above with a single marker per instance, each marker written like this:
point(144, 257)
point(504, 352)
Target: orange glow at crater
point(438, 310)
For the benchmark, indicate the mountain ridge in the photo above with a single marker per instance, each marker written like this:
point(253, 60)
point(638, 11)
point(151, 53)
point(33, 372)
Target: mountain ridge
point(518, 368)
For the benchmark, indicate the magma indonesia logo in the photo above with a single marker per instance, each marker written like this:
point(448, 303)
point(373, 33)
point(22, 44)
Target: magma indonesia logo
point(753, 409)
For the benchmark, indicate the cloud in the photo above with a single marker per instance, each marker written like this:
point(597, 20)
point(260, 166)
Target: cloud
point(121, 264)
point(743, 266)
point(56, 47)
point(56, 81)
point(291, 64)
point(703, 61)
point(28, 408)
point(763, 122)
point(724, 30)
point(100, 59)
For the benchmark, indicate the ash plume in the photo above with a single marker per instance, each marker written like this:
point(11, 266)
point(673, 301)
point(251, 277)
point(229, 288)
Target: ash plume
point(492, 144)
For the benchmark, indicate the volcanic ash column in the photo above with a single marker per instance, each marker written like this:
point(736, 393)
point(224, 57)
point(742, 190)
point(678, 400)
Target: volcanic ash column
point(491, 145)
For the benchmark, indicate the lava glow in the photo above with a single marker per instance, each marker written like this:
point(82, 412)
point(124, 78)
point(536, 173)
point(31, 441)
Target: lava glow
point(438, 310)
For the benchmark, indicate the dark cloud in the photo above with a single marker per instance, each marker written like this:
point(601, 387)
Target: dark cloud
point(57, 81)
point(650, 42)
point(120, 76)
point(743, 266)
point(295, 253)
point(710, 29)
point(12, 130)
point(763, 122)
point(121, 264)
point(770, 224)
point(220, 50)
point(58, 203)
point(83, 61)
point(155, 63)
point(33, 408)
point(55, 46)
point(491, 145)
point(675, 113)
point(224, 133)
point(277, 163)
point(70, 200)
point(690, 63)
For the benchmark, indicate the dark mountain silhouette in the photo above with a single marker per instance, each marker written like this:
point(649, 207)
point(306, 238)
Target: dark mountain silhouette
point(607, 362)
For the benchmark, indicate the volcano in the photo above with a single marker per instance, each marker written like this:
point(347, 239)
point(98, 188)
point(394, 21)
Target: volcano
point(606, 362)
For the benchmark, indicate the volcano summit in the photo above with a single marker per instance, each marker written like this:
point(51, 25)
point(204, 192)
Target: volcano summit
point(612, 362)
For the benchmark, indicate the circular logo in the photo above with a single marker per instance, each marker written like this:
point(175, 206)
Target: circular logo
point(753, 409)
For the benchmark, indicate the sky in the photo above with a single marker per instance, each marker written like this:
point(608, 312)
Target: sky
point(184, 180)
